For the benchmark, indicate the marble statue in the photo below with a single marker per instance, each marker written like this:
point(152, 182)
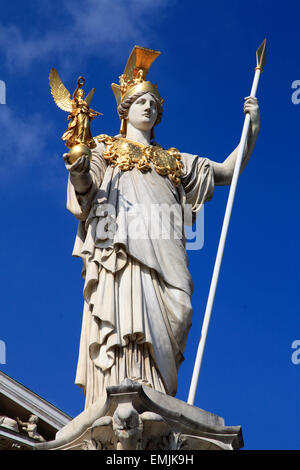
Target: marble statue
point(138, 289)
point(9, 423)
point(30, 427)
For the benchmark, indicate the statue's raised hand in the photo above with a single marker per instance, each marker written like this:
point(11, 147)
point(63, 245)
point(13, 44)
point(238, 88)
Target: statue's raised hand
point(251, 107)
point(80, 166)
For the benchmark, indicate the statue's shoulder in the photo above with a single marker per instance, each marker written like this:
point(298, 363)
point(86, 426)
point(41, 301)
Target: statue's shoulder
point(101, 141)
point(104, 139)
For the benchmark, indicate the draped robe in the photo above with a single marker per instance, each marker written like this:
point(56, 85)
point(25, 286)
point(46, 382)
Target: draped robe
point(137, 290)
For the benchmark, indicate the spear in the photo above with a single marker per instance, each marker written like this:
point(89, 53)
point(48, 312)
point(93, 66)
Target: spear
point(260, 63)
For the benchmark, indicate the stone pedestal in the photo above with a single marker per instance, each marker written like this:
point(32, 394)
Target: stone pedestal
point(136, 417)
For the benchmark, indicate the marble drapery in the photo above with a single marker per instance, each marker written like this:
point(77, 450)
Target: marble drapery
point(137, 290)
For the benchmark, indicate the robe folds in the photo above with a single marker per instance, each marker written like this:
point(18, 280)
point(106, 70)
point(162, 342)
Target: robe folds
point(137, 289)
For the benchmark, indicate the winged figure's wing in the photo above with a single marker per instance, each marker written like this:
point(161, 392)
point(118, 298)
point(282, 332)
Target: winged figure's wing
point(89, 97)
point(59, 92)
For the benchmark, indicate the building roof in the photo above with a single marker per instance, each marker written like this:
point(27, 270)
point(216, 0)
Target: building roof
point(18, 401)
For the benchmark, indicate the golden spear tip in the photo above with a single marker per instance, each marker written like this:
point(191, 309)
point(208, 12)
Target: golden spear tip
point(261, 56)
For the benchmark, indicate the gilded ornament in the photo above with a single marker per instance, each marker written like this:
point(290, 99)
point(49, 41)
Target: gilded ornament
point(78, 136)
point(126, 154)
point(133, 80)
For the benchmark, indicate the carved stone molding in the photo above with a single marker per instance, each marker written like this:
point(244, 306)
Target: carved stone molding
point(136, 417)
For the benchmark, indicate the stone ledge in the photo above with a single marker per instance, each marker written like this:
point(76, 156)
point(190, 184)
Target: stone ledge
point(136, 417)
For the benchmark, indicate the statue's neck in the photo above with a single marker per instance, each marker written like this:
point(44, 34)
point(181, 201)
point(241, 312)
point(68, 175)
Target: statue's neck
point(137, 135)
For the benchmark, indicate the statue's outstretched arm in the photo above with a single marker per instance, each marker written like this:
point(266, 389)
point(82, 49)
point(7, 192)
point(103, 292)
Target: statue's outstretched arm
point(223, 172)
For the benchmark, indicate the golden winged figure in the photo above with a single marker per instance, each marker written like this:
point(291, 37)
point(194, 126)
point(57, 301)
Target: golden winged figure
point(78, 136)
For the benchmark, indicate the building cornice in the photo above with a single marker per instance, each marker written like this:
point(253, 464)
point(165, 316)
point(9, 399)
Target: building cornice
point(32, 402)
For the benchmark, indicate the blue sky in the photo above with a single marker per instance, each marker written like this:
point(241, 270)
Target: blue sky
point(204, 72)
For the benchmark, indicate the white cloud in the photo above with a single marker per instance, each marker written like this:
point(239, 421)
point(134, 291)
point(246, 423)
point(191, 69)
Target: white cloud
point(86, 29)
point(25, 143)
point(24, 139)
point(101, 27)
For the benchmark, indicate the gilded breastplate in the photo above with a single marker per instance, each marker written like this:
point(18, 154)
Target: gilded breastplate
point(126, 154)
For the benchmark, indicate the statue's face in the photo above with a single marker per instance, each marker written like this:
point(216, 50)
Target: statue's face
point(143, 112)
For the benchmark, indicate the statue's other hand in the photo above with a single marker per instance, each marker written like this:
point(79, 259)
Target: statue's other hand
point(80, 166)
point(251, 107)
